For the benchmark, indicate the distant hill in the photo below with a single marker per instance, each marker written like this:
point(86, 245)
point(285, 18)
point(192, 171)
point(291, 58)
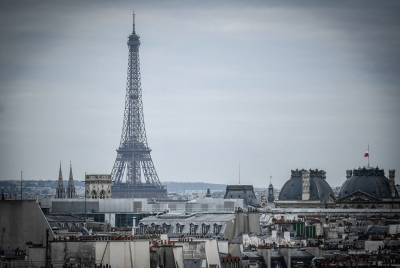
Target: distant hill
point(174, 187)
point(36, 183)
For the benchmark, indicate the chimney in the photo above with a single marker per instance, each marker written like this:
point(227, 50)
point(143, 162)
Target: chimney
point(323, 174)
point(133, 225)
point(392, 182)
point(349, 173)
point(305, 177)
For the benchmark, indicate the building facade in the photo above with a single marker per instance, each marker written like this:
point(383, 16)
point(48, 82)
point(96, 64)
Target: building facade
point(98, 186)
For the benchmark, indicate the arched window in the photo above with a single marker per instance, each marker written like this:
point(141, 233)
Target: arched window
point(94, 194)
point(102, 194)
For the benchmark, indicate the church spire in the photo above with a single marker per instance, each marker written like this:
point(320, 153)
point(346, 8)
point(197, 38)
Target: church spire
point(60, 191)
point(71, 193)
point(71, 178)
point(60, 178)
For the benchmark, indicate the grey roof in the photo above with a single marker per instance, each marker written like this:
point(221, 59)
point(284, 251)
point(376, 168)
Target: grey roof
point(241, 191)
point(369, 180)
point(194, 218)
point(334, 210)
point(63, 218)
point(192, 263)
point(292, 190)
point(275, 254)
point(301, 253)
point(378, 230)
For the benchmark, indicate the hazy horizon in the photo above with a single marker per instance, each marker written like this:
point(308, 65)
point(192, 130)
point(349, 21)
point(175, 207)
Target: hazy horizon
point(267, 86)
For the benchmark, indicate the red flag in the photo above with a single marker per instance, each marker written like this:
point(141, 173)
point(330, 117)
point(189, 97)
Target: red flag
point(366, 154)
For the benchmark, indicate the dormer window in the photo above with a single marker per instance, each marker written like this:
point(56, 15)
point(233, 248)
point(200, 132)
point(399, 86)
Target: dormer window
point(204, 228)
point(179, 228)
point(217, 229)
point(193, 228)
point(165, 228)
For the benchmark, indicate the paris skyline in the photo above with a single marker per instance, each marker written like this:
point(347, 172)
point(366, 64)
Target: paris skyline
point(266, 86)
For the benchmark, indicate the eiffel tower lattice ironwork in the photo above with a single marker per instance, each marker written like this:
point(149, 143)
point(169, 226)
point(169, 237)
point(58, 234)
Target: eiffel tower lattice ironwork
point(133, 153)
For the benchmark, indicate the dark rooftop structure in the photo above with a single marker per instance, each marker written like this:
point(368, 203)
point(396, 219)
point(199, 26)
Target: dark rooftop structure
point(371, 181)
point(240, 191)
point(292, 190)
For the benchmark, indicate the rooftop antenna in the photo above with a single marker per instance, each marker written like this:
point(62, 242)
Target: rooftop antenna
point(239, 173)
point(270, 178)
point(21, 185)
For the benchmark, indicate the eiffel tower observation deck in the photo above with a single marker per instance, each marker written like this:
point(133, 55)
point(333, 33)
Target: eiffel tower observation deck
point(133, 154)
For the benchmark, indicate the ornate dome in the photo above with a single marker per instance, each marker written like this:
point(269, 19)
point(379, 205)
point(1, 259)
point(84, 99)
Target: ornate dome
point(369, 180)
point(319, 188)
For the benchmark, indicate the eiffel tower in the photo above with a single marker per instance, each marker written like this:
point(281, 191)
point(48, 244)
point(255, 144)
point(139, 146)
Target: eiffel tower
point(133, 154)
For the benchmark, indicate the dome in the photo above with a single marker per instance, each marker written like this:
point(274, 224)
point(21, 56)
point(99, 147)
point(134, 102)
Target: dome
point(319, 188)
point(369, 180)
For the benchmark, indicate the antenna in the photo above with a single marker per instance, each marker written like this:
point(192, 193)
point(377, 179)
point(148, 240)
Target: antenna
point(133, 31)
point(239, 173)
point(21, 185)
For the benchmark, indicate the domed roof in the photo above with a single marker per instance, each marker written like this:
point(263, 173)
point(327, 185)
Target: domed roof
point(369, 180)
point(292, 190)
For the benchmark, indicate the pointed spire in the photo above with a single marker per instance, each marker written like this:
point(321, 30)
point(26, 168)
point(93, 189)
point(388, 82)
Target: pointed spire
point(60, 191)
point(71, 193)
point(60, 178)
point(71, 178)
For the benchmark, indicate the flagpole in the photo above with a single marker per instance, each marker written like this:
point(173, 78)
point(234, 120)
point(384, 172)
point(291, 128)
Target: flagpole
point(368, 153)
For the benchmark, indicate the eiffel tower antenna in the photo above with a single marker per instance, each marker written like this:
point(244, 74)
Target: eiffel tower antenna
point(133, 154)
point(239, 173)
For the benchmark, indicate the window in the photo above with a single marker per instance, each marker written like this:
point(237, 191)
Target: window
point(217, 229)
point(142, 229)
point(192, 229)
point(204, 229)
point(165, 228)
point(102, 194)
point(94, 194)
point(179, 228)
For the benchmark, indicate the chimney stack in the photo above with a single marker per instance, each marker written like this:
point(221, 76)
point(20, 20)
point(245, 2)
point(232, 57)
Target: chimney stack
point(349, 173)
point(305, 177)
point(392, 182)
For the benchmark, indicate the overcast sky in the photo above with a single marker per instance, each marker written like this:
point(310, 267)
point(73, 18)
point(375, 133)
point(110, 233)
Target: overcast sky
point(266, 85)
